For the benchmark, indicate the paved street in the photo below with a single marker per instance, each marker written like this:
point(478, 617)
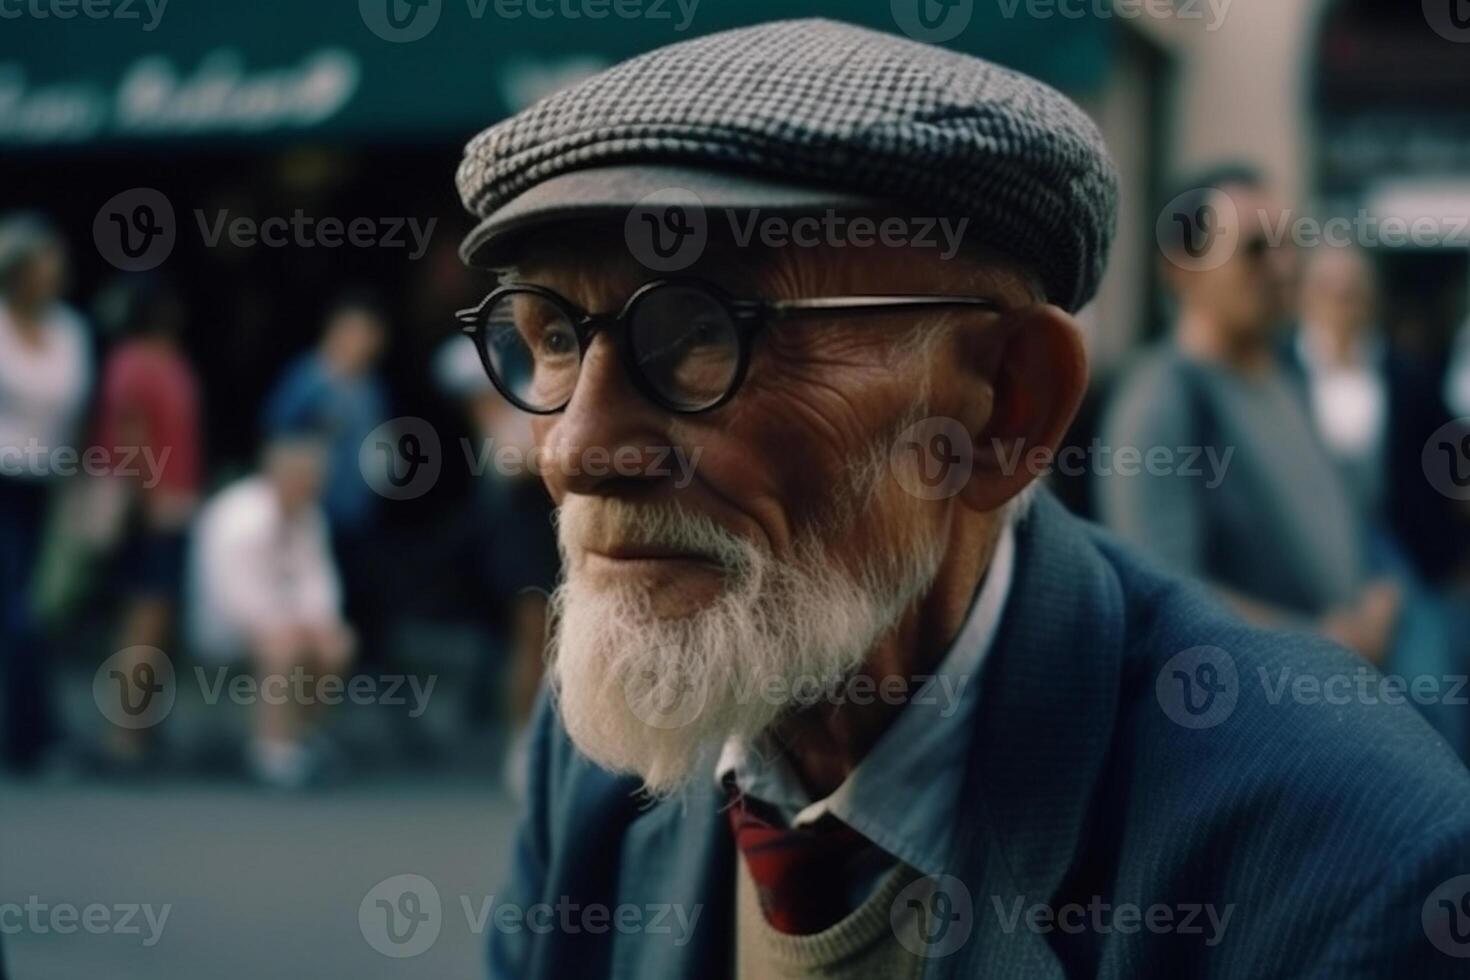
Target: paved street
point(256, 885)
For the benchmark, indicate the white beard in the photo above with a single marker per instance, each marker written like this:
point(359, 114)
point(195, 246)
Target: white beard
point(656, 695)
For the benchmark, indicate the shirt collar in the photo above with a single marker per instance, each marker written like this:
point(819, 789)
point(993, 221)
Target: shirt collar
point(903, 793)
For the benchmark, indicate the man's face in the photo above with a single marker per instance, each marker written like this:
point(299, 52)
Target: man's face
point(354, 340)
point(1339, 294)
point(784, 555)
point(41, 280)
point(1248, 294)
point(296, 473)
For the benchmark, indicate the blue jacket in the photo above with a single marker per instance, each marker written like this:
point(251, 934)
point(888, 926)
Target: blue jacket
point(1325, 826)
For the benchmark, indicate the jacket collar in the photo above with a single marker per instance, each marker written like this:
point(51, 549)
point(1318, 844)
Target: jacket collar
point(1045, 727)
point(1041, 737)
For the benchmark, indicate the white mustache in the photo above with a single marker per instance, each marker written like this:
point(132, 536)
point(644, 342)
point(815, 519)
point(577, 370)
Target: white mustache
point(603, 524)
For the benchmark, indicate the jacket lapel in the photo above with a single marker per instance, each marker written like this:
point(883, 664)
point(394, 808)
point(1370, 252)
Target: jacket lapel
point(678, 862)
point(1046, 712)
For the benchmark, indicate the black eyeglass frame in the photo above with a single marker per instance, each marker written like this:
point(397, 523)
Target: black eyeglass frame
point(747, 315)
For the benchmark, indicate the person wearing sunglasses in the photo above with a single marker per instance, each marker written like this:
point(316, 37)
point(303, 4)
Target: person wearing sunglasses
point(1277, 531)
point(861, 699)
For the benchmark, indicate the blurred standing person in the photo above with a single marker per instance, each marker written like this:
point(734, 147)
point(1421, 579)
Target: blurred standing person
point(1374, 409)
point(264, 587)
point(45, 374)
point(1269, 522)
point(334, 393)
point(509, 529)
point(149, 425)
point(1457, 374)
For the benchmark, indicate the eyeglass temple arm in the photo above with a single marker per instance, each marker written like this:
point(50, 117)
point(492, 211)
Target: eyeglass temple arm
point(469, 317)
point(791, 308)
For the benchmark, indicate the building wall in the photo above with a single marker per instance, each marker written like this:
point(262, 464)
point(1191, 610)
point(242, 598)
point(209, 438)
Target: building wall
point(1242, 90)
point(1238, 91)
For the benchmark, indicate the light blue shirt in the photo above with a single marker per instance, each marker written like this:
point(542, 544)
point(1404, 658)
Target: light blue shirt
point(341, 410)
point(903, 794)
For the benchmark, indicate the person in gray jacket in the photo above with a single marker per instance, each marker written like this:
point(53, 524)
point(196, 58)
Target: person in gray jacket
point(1270, 522)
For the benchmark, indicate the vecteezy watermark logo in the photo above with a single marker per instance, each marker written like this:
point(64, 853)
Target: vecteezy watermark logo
point(302, 230)
point(135, 230)
point(135, 688)
point(1104, 10)
point(409, 20)
point(932, 459)
point(1102, 918)
point(1199, 230)
point(1208, 464)
point(835, 230)
point(300, 687)
point(1199, 687)
point(933, 916)
point(90, 9)
point(1364, 685)
point(667, 230)
point(400, 21)
point(626, 461)
point(1446, 459)
point(664, 698)
point(1203, 229)
point(401, 458)
point(1446, 917)
point(1450, 19)
point(37, 459)
point(651, 10)
point(401, 916)
point(932, 21)
point(40, 918)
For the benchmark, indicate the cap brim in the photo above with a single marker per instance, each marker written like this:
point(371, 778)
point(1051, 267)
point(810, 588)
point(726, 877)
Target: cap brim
point(608, 193)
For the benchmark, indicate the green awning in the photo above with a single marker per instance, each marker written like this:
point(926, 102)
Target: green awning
point(280, 70)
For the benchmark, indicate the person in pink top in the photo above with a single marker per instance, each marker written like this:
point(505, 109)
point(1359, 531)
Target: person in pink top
point(148, 424)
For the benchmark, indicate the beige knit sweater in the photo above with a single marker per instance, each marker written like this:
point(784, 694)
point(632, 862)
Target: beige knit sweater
point(863, 946)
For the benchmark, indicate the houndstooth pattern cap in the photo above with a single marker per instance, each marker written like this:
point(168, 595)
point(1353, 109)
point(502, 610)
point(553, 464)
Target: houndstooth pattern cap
point(828, 105)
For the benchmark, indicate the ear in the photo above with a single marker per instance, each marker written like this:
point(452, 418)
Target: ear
point(1035, 367)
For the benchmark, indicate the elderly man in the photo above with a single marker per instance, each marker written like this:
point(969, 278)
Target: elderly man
point(854, 701)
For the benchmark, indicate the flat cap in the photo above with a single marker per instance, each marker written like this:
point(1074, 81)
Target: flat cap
point(797, 113)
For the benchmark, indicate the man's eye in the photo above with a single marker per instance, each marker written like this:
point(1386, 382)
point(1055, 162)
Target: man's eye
point(558, 341)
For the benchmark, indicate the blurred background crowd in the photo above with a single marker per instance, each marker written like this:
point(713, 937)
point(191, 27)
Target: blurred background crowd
point(248, 398)
point(130, 525)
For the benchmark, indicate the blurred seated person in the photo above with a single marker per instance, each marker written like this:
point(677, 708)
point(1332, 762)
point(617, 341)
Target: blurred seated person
point(333, 392)
point(148, 424)
point(265, 590)
point(1262, 512)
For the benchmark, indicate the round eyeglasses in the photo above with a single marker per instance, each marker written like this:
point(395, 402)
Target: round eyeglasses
point(684, 342)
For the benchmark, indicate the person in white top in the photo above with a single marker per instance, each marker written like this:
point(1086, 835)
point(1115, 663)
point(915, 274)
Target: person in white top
point(45, 374)
point(264, 587)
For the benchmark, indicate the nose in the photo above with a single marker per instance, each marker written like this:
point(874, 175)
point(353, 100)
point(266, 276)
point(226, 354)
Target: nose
point(610, 440)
